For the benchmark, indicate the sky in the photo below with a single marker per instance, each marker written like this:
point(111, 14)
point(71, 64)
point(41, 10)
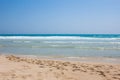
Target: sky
point(59, 16)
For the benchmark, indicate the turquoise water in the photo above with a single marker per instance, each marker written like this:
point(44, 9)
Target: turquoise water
point(61, 45)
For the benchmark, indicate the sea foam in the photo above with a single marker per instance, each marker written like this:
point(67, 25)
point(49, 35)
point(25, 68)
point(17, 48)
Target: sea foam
point(56, 38)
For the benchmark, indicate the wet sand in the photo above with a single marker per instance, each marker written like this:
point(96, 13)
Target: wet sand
point(25, 68)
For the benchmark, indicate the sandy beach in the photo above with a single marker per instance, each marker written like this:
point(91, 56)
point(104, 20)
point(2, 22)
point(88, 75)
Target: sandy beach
point(26, 68)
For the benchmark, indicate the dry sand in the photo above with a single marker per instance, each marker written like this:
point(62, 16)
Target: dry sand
point(23, 68)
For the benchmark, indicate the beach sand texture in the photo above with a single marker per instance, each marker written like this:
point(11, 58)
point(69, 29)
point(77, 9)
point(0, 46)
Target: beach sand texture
point(25, 68)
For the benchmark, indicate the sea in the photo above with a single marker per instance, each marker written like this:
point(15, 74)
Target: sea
point(72, 46)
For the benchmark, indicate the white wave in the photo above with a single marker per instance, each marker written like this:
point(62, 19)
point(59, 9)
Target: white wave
point(17, 41)
point(35, 46)
point(73, 57)
point(99, 48)
point(56, 38)
point(58, 42)
point(55, 45)
point(80, 42)
point(27, 41)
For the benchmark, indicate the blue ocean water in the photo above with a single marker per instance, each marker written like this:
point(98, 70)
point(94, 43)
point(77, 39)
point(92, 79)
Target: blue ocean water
point(61, 45)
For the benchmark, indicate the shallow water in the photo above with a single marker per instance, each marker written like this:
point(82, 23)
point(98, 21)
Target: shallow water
point(61, 45)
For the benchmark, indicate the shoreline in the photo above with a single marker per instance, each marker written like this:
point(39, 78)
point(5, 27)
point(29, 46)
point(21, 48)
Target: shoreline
point(14, 67)
point(105, 60)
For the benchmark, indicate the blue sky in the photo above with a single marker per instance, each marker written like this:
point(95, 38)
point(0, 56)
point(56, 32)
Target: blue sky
point(60, 16)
